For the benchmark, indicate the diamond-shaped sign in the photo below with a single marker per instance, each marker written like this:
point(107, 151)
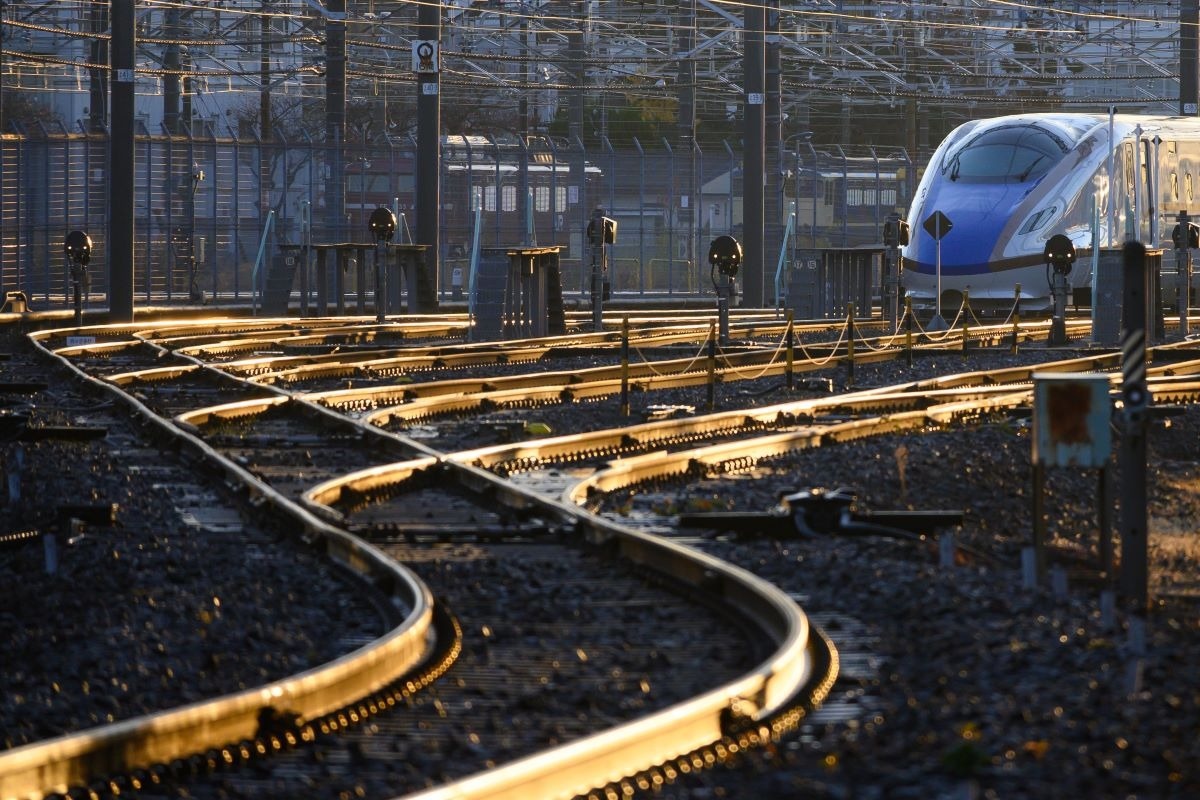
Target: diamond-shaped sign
point(937, 225)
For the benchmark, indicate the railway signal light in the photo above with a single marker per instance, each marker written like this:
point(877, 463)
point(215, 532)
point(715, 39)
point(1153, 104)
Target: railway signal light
point(78, 247)
point(1193, 236)
point(383, 224)
point(601, 224)
point(725, 253)
point(895, 231)
point(1060, 253)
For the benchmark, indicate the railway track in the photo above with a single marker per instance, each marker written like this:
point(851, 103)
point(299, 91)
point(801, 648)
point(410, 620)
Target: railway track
point(272, 422)
point(372, 497)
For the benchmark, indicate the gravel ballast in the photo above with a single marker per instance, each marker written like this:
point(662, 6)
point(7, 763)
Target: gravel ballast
point(972, 685)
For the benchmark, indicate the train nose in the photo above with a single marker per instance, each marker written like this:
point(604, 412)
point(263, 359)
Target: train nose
point(968, 230)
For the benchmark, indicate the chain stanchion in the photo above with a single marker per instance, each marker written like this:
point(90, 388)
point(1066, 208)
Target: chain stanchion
point(966, 318)
point(625, 366)
point(1016, 319)
point(791, 352)
point(908, 326)
point(712, 366)
point(849, 344)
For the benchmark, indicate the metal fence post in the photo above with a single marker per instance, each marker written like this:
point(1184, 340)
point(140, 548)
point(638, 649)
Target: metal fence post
point(1132, 455)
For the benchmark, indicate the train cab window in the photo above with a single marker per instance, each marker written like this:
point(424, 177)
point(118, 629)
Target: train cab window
point(1011, 153)
point(1174, 186)
point(1187, 185)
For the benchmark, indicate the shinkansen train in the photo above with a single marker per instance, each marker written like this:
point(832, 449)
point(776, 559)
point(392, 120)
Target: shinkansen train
point(997, 189)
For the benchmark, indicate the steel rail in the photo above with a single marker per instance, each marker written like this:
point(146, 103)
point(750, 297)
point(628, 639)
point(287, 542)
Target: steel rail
point(744, 454)
point(683, 728)
point(582, 765)
point(326, 339)
point(139, 743)
point(413, 403)
point(605, 757)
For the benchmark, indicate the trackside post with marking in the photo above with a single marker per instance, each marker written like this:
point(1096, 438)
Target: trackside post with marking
point(625, 366)
point(1016, 317)
point(1132, 454)
point(791, 351)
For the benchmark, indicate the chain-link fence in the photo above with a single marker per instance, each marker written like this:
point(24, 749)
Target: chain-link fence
point(202, 204)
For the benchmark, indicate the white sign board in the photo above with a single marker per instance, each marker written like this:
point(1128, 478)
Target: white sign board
point(425, 56)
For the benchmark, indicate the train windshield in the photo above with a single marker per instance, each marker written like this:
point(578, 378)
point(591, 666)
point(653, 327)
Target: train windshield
point(1012, 153)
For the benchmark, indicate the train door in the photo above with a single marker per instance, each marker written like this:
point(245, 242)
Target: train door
point(1139, 186)
point(1125, 210)
point(1150, 169)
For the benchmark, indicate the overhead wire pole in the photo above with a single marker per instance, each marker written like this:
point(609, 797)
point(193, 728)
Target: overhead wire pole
point(264, 74)
point(3, 9)
point(429, 135)
point(686, 130)
point(98, 77)
point(121, 162)
point(773, 141)
point(754, 66)
point(171, 80)
point(335, 116)
point(576, 56)
point(1189, 58)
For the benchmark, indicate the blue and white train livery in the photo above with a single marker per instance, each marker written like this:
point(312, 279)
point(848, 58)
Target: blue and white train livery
point(1007, 184)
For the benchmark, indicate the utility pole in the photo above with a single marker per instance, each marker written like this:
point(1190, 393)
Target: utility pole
point(754, 65)
point(523, 110)
point(335, 115)
point(1189, 58)
point(98, 76)
point(171, 28)
point(773, 141)
point(686, 131)
point(121, 160)
point(264, 74)
point(429, 134)
point(577, 53)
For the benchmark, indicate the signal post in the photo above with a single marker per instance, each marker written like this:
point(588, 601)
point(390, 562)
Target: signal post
point(1186, 238)
point(1060, 256)
point(895, 236)
point(725, 257)
point(601, 231)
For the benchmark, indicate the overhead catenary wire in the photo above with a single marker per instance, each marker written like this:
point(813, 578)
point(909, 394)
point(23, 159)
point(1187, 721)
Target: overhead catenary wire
point(902, 19)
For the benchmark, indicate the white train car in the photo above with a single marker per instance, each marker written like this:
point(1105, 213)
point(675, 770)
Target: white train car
point(1002, 187)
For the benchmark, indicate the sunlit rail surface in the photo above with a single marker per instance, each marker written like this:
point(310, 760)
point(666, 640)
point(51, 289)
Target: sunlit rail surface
point(389, 445)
